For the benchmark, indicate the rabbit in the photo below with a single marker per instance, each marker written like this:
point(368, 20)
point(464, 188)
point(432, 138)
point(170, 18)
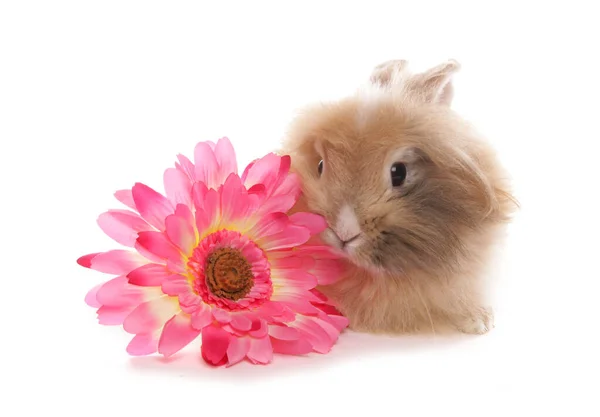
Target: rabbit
point(414, 199)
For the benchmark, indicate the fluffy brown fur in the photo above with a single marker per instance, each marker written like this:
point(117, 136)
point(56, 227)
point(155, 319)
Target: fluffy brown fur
point(418, 252)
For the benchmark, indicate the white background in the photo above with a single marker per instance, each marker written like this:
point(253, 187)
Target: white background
point(97, 95)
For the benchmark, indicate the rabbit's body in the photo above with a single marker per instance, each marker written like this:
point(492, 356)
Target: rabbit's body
point(414, 199)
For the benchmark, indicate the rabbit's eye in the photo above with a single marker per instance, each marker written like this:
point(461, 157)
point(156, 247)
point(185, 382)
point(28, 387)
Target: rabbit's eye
point(398, 174)
point(320, 167)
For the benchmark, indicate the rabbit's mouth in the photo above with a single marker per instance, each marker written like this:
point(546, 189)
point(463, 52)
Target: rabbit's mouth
point(331, 237)
point(353, 250)
point(344, 233)
point(348, 243)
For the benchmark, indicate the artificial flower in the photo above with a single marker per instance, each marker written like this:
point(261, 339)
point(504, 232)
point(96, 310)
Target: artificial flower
point(217, 257)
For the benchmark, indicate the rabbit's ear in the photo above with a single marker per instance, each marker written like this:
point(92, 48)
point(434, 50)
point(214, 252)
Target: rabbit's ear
point(435, 85)
point(389, 73)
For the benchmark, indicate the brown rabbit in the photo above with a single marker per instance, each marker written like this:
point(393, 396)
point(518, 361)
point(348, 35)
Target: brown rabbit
point(414, 198)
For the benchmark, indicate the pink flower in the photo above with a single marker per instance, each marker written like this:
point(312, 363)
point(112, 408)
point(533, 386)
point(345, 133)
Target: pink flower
point(217, 257)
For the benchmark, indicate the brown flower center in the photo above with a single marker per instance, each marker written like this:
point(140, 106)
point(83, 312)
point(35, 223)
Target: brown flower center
point(228, 274)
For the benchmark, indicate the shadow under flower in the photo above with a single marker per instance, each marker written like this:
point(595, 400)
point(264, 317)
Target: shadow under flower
point(350, 347)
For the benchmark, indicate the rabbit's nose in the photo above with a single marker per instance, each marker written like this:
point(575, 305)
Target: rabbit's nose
point(347, 227)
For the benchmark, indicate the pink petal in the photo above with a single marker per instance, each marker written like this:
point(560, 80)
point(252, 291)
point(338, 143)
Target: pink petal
point(208, 211)
point(313, 222)
point(338, 321)
point(202, 317)
point(298, 302)
point(225, 156)
point(215, 342)
point(254, 202)
point(324, 304)
point(185, 213)
point(122, 226)
point(237, 350)
point(315, 334)
point(126, 198)
point(177, 334)
point(118, 292)
point(258, 189)
point(327, 308)
point(320, 251)
point(285, 294)
point(113, 316)
point(151, 315)
point(285, 163)
point(221, 316)
point(175, 284)
point(271, 309)
point(282, 189)
point(199, 191)
point(181, 233)
point(202, 221)
point(206, 165)
point(189, 301)
point(282, 179)
point(292, 236)
point(278, 203)
point(147, 254)
point(153, 206)
point(160, 245)
point(332, 330)
point(143, 344)
point(327, 271)
point(187, 167)
point(240, 322)
point(113, 262)
point(269, 225)
point(289, 186)
point(178, 187)
point(259, 328)
point(294, 278)
point(244, 175)
point(149, 275)
point(291, 347)
point(286, 259)
point(275, 231)
point(284, 197)
point(177, 266)
point(234, 199)
point(90, 297)
point(261, 350)
point(86, 260)
point(263, 171)
point(284, 332)
point(212, 206)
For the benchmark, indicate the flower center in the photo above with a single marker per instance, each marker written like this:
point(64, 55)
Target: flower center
point(228, 274)
point(230, 271)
